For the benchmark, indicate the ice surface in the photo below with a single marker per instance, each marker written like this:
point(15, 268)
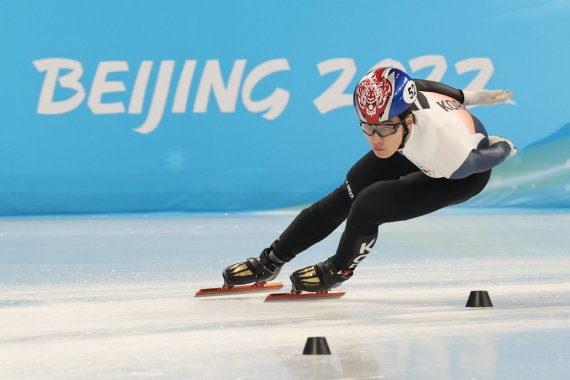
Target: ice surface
point(108, 298)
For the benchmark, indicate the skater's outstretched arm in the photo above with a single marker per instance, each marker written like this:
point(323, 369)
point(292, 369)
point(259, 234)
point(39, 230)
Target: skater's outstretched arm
point(440, 88)
point(481, 97)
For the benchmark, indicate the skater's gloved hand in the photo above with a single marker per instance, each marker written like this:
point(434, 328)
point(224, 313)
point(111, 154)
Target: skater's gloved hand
point(486, 97)
point(496, 139)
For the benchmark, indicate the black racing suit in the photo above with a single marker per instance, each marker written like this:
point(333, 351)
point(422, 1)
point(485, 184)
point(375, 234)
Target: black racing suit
point(376, 191)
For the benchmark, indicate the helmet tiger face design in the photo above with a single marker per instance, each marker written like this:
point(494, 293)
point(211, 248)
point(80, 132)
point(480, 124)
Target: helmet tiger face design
point(382, 94)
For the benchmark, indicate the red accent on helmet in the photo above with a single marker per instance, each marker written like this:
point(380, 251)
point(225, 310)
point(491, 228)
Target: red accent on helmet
point(372, 95)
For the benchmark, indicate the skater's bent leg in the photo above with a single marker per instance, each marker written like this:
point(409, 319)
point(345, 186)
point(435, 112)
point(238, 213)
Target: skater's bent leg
point(310, 226)
point(313, 224)
point(390, 201)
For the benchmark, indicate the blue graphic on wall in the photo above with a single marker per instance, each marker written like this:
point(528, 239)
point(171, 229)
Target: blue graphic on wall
point(223, 106)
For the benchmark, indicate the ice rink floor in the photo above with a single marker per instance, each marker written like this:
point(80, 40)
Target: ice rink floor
point(113, 298)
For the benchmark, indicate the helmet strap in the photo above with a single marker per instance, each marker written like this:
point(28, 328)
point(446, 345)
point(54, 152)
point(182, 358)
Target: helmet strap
point(406, 133)
point(406, 130)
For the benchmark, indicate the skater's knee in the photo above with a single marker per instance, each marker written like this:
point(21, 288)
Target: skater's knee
point(362, 209)
point(333, 205)
point(379, 203)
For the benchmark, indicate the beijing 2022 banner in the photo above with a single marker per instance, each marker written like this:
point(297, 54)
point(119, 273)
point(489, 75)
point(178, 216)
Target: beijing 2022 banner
point(215, 106)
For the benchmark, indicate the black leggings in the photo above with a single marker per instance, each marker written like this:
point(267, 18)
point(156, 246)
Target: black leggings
point(376, 191)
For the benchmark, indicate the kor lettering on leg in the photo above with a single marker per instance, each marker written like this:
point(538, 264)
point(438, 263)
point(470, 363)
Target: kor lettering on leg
point(365, 249)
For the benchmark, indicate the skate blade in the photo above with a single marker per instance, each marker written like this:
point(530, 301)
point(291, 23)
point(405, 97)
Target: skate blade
point(291, 296)
point(238, 289)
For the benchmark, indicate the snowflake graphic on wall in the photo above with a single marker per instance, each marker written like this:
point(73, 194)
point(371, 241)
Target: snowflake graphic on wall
point(176, 160)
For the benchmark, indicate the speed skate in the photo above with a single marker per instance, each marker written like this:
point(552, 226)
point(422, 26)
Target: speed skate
point(230, 289)
point(265, 286)
point(298, 295)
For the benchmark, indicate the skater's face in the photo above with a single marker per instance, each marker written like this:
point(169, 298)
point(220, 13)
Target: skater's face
point(384, 146)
